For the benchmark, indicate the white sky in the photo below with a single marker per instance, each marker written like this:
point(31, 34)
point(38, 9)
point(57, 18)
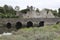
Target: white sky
point(54, 4)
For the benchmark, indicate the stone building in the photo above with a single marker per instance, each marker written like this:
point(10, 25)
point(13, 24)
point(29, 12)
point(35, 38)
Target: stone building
point(34, 14)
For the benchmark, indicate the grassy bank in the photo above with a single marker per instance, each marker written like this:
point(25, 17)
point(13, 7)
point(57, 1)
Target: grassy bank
point(42, 33)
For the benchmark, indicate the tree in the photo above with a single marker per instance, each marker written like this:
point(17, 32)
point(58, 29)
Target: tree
point(37, 10)
point(11, 10)
point(31, 8)
point(55, 13)
point(59, 12)
point(1, 10)
point(25, 11)
point(28, 7)
point(17, 8)
point(6, 8)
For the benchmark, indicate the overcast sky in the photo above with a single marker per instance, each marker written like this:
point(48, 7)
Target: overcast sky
point(54, 4)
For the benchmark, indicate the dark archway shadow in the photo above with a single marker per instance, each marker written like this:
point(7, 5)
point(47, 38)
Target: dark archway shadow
point(41, 23)
point(29, 24)
point(57, 22)
point(18, 25)
point(8, 25)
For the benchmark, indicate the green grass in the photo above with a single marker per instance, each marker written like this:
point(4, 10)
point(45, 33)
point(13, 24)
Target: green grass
point(42, 33)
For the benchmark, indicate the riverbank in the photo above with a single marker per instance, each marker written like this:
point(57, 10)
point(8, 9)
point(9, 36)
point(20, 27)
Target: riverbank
point(37, 33)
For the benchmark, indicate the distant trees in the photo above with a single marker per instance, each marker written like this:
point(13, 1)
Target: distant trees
point(59, 12)
point(55, 12)
point(17, 8)
point(1, 10)
point(37, 10)
point(7, 12)
point(24, 10)
point(5, 8)
point(9, 9)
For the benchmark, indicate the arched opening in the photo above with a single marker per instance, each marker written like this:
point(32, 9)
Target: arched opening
point(41, 23)
point(18, 25)
point(8, 25)
point(57, 23)
point(29, 24)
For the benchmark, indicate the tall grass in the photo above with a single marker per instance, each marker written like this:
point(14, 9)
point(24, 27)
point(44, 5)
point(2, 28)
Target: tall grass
point(42, 33)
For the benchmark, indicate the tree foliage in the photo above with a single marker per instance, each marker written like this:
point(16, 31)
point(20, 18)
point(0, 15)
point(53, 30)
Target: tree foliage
point(55, 13)
point(59, 12)
point(7, 12)
point(1, 10)
point(24, 10)
point(37, 10)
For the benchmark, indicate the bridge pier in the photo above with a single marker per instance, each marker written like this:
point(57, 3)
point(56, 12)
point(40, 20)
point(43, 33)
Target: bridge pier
point(11, 24)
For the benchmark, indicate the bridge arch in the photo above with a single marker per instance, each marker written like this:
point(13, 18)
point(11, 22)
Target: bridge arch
point(57, 22)
point(41, 23)
point(18, 25)
point(29, 24)
point(8, 25)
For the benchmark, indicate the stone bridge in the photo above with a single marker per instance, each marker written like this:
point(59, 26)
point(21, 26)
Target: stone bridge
point(16, 23)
